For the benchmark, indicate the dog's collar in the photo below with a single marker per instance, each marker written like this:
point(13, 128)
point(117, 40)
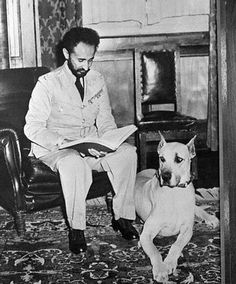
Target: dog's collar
point(184, 185)
point(180, 185)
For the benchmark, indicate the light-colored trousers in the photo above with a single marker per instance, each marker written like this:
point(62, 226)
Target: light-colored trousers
point(76, 178)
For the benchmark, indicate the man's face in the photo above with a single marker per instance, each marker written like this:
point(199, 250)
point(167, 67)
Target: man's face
point(80, 59)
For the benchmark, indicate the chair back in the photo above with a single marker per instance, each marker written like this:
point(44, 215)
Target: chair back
point(16, 86)
point(156, 79)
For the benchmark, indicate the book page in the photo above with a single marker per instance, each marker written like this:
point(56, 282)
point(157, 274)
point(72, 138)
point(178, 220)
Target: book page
point(117, 136)
point(111, 139)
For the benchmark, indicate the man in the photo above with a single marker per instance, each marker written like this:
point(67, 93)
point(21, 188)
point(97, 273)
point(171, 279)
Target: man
point(70, 103)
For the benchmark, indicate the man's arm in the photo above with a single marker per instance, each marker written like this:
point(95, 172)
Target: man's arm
point(36, 118)
point(105, 120)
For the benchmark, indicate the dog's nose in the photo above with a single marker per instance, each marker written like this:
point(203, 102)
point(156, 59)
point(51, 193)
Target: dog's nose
point(166, 176)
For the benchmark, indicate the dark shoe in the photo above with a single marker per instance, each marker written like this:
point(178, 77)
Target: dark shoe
point(77, 242)
point(125, 227)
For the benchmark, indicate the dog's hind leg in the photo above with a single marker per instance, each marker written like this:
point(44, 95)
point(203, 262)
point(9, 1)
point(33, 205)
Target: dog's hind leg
point(210, 220)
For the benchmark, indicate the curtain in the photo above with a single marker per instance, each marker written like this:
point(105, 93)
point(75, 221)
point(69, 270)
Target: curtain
point(55, 18)
point(212, 123)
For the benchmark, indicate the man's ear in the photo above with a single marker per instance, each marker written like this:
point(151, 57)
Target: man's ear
point(161, 143)
point(191, 147)
point(65, 53)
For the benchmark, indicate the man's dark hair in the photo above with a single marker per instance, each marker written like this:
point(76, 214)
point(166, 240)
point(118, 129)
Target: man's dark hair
point(80, 34)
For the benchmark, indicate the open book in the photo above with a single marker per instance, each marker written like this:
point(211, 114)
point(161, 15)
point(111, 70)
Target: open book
point(108, 142)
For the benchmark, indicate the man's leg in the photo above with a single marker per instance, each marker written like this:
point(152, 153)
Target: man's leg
point(122, 168)
point(76, 178)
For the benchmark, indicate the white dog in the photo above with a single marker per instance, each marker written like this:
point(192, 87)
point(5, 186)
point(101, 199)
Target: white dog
point(165, 201)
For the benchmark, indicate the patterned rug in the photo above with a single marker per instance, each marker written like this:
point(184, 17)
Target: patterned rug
point(42, 256)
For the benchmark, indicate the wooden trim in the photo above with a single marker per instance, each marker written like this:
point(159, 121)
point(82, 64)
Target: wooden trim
point(226, 40)
point(37, 34)
point(15, 58)
point(224, 194)
point(132, 42)
point(28, 33)
point(194, 50)
point(177, 81)
point(138, 88)
point(114, 55)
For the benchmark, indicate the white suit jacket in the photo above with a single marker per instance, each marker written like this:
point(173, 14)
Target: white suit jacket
point(56, 110)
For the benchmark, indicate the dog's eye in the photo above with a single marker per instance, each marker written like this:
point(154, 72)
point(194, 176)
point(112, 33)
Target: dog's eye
point(162, 159)
point(178, 160)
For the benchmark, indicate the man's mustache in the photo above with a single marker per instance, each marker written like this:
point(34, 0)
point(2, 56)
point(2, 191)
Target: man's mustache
point(81, 72)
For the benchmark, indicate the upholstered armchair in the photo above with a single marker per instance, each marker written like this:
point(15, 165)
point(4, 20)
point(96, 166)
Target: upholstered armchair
point(26, 184)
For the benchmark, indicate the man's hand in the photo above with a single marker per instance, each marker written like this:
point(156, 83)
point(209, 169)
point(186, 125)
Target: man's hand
point(96, 154)
point(92, 152)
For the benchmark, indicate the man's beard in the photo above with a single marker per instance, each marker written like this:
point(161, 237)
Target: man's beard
point(79, 73)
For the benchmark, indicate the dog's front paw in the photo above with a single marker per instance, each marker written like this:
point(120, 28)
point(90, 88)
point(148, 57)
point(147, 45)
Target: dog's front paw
point(160, 272)
point(212, 221)
point(171, 264)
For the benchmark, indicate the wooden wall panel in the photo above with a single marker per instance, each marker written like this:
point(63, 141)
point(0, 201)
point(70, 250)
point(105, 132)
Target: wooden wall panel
point(194, 86)
point(142, 17)
point(117, 69)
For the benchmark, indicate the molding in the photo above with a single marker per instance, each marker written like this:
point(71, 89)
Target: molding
point(132, 42)
point(37, 34)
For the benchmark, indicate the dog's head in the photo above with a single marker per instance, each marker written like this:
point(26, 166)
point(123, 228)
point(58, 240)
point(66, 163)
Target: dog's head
point(175, 162)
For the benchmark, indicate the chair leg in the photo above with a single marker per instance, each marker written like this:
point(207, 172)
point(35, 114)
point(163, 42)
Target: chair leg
point(19, 219)
point(142, 151)
point(109, 197)
point(194, 168)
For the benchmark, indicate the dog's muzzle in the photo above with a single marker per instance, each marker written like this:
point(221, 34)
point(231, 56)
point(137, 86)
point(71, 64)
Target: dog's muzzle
point(166, 176)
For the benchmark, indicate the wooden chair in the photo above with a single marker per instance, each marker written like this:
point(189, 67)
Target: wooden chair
point(157, 88)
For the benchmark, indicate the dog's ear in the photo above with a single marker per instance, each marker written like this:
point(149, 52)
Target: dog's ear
point(191, 147)
point(161, 143)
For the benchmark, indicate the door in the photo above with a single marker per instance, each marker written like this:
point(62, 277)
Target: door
point(226, 34)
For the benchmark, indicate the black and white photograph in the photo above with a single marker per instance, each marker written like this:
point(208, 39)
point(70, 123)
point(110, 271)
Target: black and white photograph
point(117, 141)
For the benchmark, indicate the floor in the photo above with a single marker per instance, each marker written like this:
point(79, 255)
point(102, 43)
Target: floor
point(42, 255)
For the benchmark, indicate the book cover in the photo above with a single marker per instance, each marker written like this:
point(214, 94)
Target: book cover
point(108, 142)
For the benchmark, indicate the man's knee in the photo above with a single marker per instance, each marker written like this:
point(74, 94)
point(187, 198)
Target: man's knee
point(129, 152)
point(70, 160)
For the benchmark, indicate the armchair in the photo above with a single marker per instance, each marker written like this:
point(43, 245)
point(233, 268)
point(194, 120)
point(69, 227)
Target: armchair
point(26, 184)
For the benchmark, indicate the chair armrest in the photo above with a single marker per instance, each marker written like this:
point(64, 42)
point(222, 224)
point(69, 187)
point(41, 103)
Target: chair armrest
point(10, 171)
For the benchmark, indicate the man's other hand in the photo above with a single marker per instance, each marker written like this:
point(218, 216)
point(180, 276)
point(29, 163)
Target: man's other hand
point(96, 154)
